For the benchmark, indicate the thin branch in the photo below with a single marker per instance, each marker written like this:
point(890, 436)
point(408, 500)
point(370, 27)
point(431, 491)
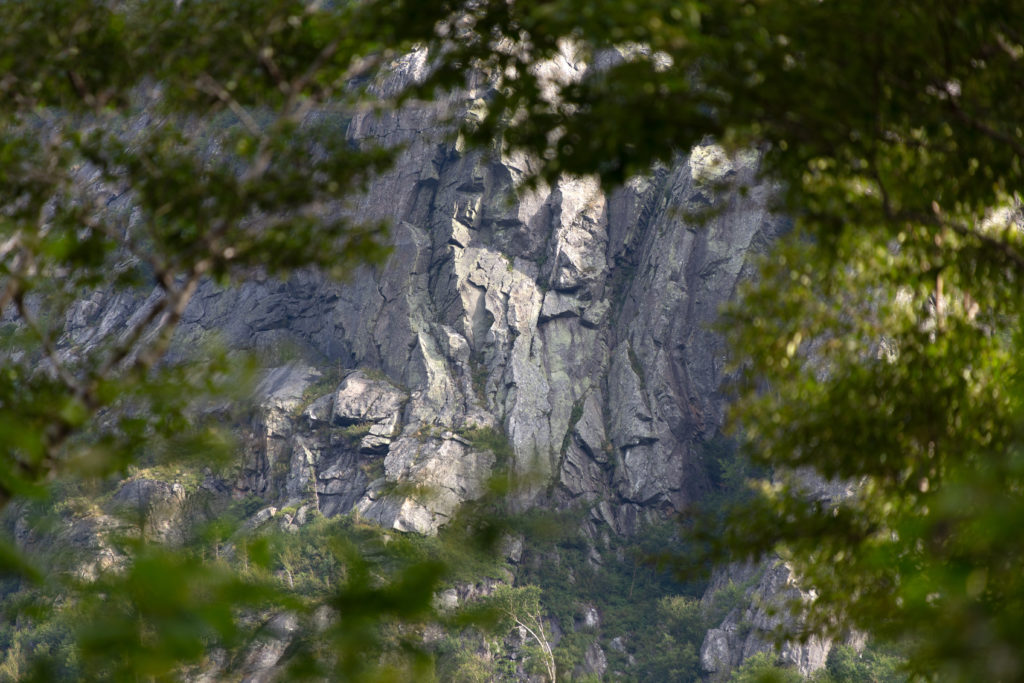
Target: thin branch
point(49, 349)
point(983, 127)
point(361, 66)
point(1005, 248)
point(883, 191)
point(80, 88)
point(129, 341)
point(179, 299)
point(9, 245)
point(11, 290)
point(549, 657)
point(13, 285)
point(329, 50)
point(210, 86)
point(266, 57)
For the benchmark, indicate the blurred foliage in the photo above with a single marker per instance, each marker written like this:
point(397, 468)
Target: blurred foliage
point(844, 665)
point(873, 665)
point(149, 148)
point(881, 346)
point(145, 148)
point(343, 600)
point(761, 668)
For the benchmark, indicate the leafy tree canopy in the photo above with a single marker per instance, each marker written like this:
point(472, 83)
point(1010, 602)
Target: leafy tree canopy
point(147, 147)
point(881, 348)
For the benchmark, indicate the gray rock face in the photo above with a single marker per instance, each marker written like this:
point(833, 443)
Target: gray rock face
point(156, 506)
point(771, 590)
point(574, 322)
point(594, 661)
point(377, 404)
point(571, 321)
point(448, 472)
point(264, 654)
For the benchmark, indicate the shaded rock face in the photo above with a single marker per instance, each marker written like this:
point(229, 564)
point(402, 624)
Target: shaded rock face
point(771, 589)
point(158, 506)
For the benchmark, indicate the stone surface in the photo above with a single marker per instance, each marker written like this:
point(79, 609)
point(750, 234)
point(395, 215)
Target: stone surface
point(771, 588)
point(503, 311)
point(156, 507)
point(594, 660)
point(715, 653)
point(361, 399)
point(507, 314)
point(262, 656)
point(749, 629)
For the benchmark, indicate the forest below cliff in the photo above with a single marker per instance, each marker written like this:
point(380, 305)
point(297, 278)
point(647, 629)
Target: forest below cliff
point(479, 341)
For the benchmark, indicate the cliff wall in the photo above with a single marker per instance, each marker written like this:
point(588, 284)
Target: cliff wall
point(573, 322)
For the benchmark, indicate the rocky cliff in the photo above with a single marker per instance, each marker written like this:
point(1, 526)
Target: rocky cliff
point(573, 322)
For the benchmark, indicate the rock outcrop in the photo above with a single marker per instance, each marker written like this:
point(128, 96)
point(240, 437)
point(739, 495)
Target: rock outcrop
point(771, 589)
point(748, 630)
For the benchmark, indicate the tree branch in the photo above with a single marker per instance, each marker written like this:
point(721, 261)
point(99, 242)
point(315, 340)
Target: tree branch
point(210, 86)
point(549, 657)
point(979, 125)
point(1001, 246)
